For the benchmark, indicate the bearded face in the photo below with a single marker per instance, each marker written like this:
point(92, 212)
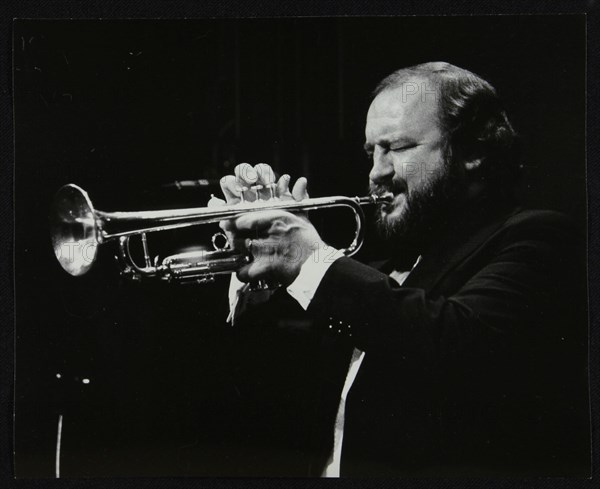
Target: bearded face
point(411, 159)
point(418, 211)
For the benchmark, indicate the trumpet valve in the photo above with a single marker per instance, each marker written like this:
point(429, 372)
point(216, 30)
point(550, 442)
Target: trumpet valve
point(243, 191)
point(256, 189)
point(271, 187)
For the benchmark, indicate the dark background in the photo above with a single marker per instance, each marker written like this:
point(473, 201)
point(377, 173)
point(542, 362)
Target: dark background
point(123, 107)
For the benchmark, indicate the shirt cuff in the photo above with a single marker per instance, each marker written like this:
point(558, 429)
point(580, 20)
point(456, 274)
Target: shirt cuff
point(236, 289)
point(313, 270)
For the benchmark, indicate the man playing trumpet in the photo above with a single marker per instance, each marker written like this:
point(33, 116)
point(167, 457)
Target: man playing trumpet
point(466, 350)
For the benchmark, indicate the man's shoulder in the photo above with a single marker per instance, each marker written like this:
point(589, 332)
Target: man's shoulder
point(545, 217)
point(543, 223)
point(539, 236)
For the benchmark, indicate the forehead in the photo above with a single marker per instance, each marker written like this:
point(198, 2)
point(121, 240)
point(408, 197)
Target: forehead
point(410, 108)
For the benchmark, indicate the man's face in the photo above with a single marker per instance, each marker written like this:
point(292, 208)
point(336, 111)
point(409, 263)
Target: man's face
point(408, 153)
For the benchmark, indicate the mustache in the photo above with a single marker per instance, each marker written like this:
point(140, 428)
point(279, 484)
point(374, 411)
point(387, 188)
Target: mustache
point(394, 186)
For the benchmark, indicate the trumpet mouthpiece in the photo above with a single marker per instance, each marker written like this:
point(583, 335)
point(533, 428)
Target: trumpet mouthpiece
point(385, 198)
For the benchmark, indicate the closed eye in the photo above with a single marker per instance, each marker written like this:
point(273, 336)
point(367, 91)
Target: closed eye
point(403, 147)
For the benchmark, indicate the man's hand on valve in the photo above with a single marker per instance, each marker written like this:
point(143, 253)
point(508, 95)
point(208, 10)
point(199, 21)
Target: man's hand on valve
point(280, 242)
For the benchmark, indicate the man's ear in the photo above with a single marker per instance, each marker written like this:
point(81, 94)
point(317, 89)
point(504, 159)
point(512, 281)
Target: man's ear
point(473, 164)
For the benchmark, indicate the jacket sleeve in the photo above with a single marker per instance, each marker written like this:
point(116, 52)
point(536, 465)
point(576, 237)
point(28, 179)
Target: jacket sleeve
point(511, 294)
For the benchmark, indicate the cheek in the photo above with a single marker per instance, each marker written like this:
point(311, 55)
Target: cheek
point(410, 170)
point(419, 167)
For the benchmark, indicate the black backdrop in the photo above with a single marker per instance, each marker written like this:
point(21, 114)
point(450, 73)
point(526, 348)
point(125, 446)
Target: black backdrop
point(123, 107)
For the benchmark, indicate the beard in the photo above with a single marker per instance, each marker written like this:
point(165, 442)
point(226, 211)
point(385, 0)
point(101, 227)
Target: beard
point(426, 209)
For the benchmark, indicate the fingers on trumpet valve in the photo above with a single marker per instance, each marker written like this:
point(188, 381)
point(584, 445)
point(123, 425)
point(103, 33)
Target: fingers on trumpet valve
point(255, 183)
point(266, 187)
point(246, 177)
point(250, 184)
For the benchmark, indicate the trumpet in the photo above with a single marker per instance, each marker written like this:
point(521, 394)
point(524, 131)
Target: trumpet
point(77, 230)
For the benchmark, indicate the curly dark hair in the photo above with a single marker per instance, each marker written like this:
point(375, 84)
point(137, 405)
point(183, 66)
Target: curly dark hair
point(472, 117)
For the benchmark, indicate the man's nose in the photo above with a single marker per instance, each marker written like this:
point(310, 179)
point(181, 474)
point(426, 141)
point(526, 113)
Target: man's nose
point(383, 168)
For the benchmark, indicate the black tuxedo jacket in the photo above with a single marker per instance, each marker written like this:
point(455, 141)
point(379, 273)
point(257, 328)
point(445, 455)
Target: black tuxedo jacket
point(476, 366)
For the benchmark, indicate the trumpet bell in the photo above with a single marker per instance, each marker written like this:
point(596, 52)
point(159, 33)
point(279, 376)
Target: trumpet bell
point(74, 230)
